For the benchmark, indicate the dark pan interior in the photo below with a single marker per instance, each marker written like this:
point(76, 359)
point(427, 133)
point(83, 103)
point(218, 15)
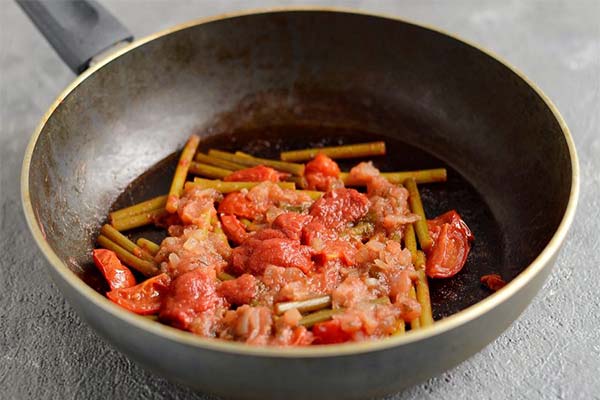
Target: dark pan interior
point(295, 79)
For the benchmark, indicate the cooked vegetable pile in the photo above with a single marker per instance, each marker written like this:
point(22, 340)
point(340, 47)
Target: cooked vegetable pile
point(277, 252)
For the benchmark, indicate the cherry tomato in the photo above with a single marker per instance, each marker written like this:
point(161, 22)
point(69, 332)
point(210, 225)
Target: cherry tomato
point(493, 282)
point(259, 173)
point(233, 228)
point(117, 275)
point(329, 332)
point(144, 298)
point(451, 245)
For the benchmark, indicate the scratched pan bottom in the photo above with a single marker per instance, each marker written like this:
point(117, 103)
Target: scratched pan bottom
point(448, 296)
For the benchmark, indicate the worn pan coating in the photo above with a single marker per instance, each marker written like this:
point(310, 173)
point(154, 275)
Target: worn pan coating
point(286, 78)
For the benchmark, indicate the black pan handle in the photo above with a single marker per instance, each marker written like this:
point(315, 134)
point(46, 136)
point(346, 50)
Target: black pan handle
point(78, 30)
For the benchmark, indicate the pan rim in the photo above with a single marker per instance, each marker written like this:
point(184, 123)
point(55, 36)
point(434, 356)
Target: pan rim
point(188, 339)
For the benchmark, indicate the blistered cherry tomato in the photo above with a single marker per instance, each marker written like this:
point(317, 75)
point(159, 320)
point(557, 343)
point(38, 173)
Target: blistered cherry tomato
point(117, 275)
point(144, 298)
point(451, 245)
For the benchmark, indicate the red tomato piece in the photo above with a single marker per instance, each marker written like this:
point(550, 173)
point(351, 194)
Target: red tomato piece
point(321, 173)
point(494, 282)
point(336, 249)
point(190, 294)
point(144, 298)
point(239, 291)
point(254, 255)
point(117, 275)
point(291, 224)
point(336, 208)
point(451, 245)
point(233, 228)
point(237, 204)
point(260, 173)
point(329, 332)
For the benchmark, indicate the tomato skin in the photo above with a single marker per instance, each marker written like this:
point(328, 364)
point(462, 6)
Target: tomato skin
point(233, 228)
point(144, 298)
point(329, 332)
point(117, 275)
point(321, 173)
point(493, 282)
point(451, 245)
point(260, 173)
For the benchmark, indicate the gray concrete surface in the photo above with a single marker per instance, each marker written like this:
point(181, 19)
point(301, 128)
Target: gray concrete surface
point(551, 352)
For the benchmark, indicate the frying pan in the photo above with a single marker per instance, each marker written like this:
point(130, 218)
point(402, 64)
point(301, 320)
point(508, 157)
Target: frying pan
point(281, 79)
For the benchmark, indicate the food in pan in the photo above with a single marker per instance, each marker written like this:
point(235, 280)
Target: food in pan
point(284, 253)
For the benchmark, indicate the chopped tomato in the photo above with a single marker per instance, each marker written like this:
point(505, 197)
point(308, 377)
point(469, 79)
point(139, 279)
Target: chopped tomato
point(329, 332)
point(238, 204)
point(233, 228)
point(291, 224)
point(493, 282)
point(260, 173)
point(190, 295)
point(117, 275)
point(240, 290)
point(451, 245)
point(321, 173)
point(336, 249)
point(338, 207)
point(255, 255)
point(144, 298)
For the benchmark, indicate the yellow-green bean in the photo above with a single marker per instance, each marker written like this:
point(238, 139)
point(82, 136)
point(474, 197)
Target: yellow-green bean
point(208, 171)
point(416, 206)
point(345, 151)
point(137, 220)
point(147, 268)
point(316, 303)
point(140, 208)
point(149, 245)
point(292, 168)
point(420, 176)
point(218, 162)
point(183, 166)
point(228, 187)
point(123, 241)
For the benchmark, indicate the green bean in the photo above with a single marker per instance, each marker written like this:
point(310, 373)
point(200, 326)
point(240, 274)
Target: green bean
point(140, 208)
point(313, 194)
point(148, 245)
point(123, 241)
point(415, 323)
point(410, 241)
point(292, 168)
point(316, 303)
point(424, 299)
point(319, 316)
point(420, 176)
point(224, 276)
point(208, 171)
point(137, 220)
point(228, 187)
point(326, 314)
point(218, 162)
point(416, 206)
point(147, 268)
point(346, 151)
point(183, 166)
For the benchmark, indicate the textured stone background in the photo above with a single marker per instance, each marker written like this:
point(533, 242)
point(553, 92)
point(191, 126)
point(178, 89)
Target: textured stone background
point(551, 352)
